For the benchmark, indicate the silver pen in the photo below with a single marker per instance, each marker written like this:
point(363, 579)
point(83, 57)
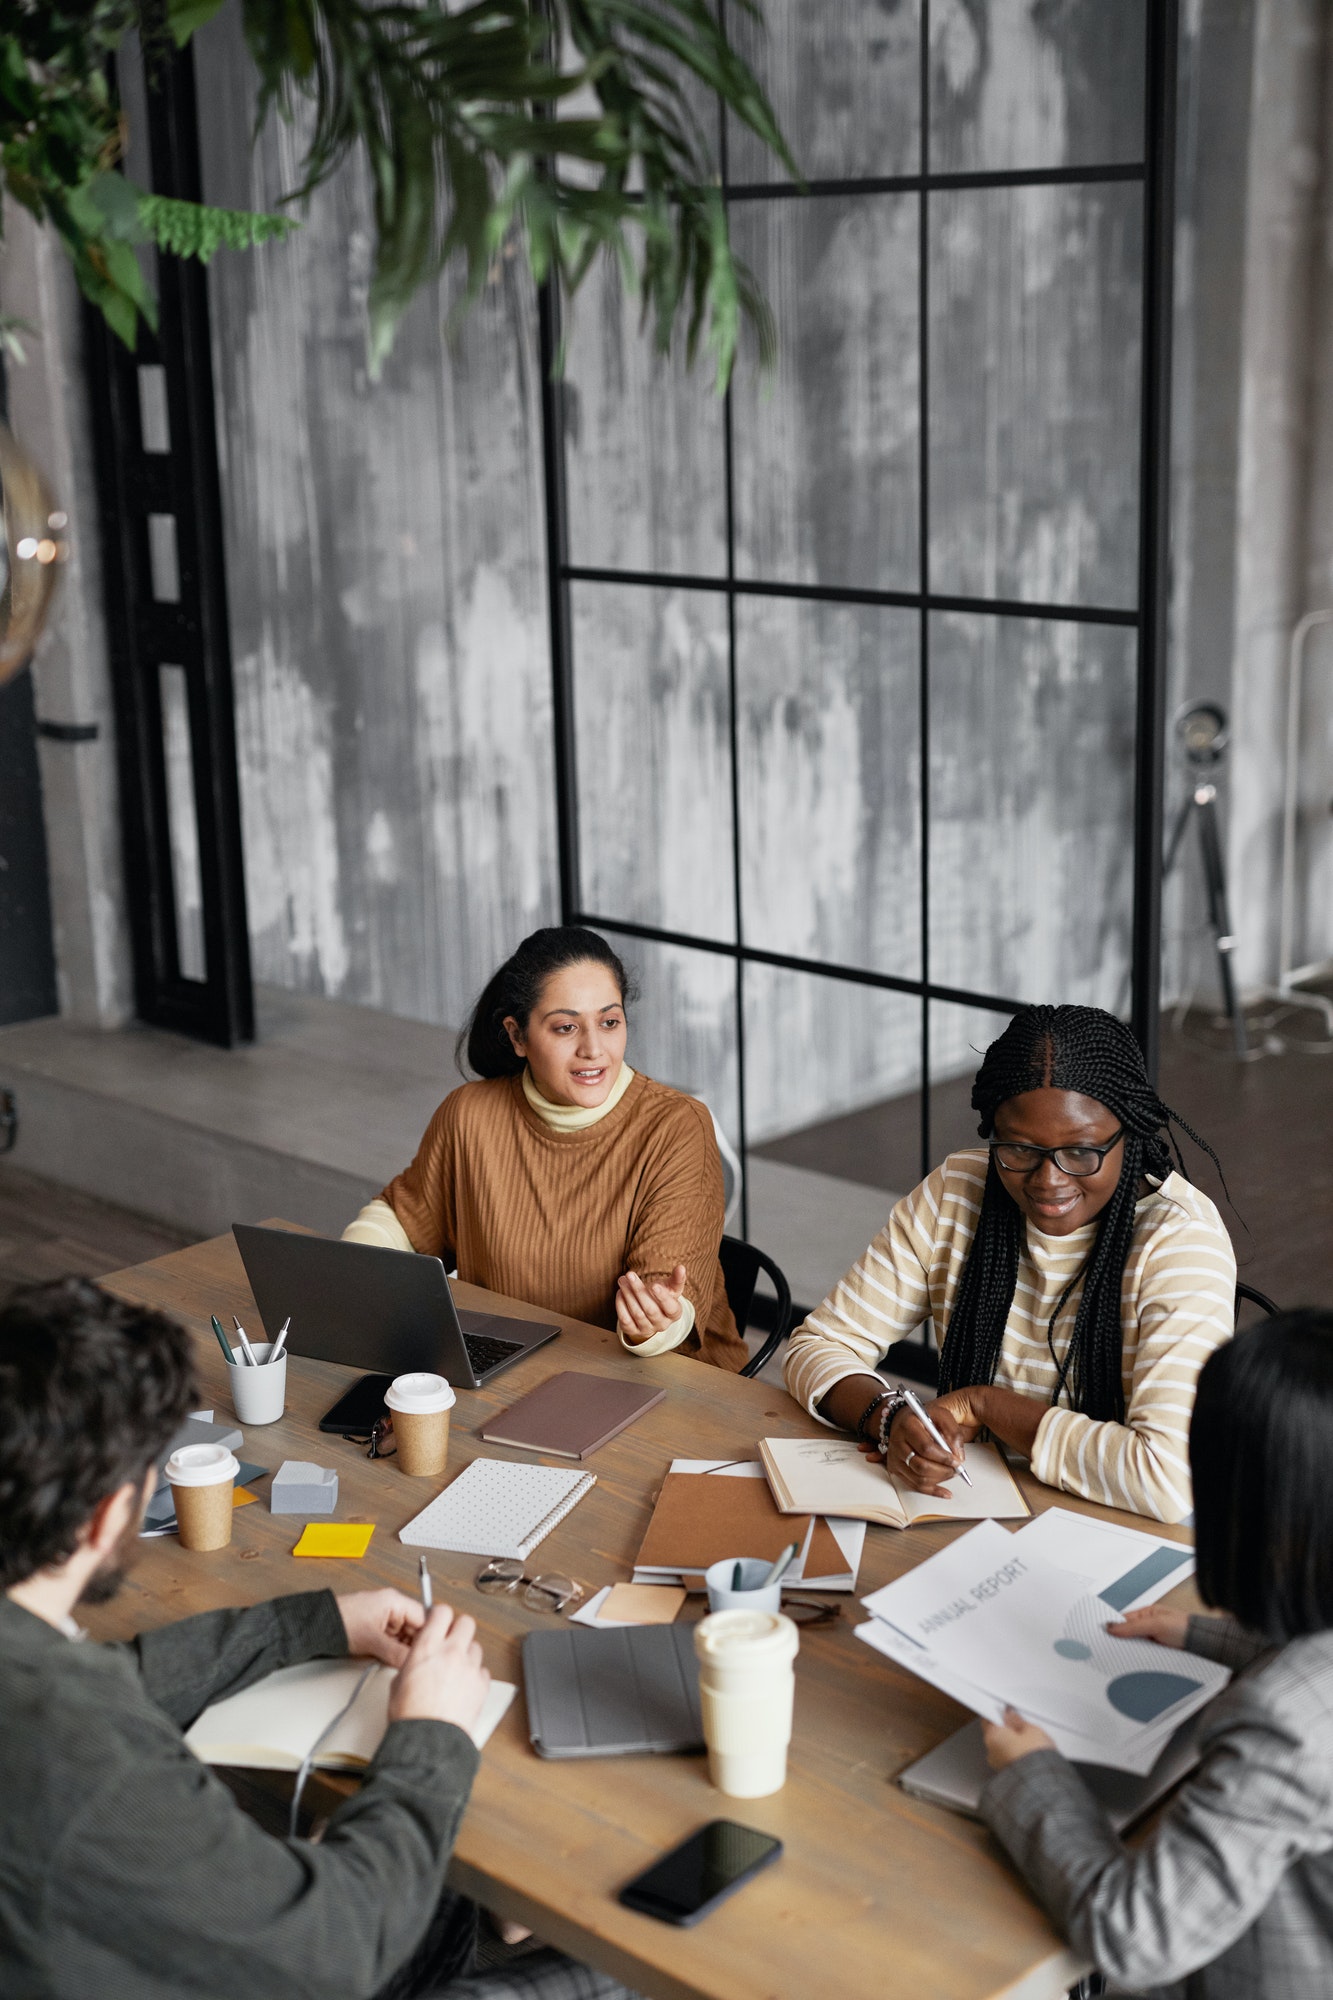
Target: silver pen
point(917, 1408)
point(246, 1348)
point(427, 1594)
point(280, 1342)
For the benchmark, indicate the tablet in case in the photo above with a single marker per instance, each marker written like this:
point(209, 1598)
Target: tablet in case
point(612, 1694)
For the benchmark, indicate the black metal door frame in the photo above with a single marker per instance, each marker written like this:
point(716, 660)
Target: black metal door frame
point(1148, 619)
point(191, 633)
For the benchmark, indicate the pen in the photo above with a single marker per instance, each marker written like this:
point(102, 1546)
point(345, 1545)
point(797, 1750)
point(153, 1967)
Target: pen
point(246, 1348)
point(280, 1342)
point(222, 1342)
point(780, 1567)
point(736, 1583)
point(427, 1594)
point(914, 1404)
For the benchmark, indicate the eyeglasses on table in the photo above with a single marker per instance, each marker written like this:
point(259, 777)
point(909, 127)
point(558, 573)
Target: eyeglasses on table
point(504, 1577)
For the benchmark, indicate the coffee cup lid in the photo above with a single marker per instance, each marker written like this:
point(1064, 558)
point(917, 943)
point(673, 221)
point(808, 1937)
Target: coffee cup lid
point(740, 1637)
point(419, 1394)
point(201, 1465)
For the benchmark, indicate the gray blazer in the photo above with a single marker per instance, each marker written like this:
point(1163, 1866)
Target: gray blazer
point(1232, 1897)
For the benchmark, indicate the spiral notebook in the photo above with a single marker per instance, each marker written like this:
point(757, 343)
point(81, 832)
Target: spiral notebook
point(498, 1509)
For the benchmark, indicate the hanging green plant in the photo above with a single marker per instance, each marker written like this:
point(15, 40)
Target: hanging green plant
point(572, 122)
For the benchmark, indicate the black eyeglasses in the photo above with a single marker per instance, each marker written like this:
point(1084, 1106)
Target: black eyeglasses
point(1076, 1160)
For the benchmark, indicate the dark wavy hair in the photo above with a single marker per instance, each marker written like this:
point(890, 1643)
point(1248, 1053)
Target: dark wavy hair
point(1087, 1050)
point(515, 989)
point(1261, 1443)
point(91, 1391)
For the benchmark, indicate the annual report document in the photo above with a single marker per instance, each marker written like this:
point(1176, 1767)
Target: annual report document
point(994, 1624)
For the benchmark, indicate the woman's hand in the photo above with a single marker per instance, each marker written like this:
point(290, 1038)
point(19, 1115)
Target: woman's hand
point(643, 1310)
point(1011, 1739)
point(381, 1624)
point(913, 1455)
point(442, 1678)
point(1154, 1621)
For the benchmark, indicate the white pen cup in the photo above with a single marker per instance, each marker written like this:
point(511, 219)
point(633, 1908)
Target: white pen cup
point(723, 1596)
point(258, 1395)
point(202, 1478)
point(420, 1406)
point(747, 1684)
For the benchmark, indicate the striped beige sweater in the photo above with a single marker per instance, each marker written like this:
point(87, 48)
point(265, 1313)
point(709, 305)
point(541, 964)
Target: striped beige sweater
point(1177, 1303)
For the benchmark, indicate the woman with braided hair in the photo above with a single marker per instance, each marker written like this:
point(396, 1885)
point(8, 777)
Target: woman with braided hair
point(1075, 1281)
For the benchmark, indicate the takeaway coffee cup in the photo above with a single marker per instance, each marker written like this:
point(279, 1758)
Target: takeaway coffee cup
point(420, 1406)
point(202, 1478)
point(746, 1683)
point(259, 1395)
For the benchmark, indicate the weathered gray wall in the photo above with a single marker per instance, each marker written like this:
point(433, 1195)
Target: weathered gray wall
point(386, 574)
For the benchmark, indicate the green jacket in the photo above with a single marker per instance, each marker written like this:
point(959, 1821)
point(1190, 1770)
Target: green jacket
point(128, 1871)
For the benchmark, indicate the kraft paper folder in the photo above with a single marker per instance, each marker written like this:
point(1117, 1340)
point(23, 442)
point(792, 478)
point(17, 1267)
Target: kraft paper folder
point(699, 1519)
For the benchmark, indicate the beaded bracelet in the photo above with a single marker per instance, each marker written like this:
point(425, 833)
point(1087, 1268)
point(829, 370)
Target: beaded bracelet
point(869, 1410)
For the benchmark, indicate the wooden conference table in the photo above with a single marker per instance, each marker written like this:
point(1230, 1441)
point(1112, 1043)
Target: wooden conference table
point(877, 1893)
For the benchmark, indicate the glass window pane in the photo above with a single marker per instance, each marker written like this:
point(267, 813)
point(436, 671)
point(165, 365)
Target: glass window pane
point(1034, 371)
point(830, 781)
point(1031, 807)
point(832, 1079)
point(163, 560)
point(1022, 83)
point(182, 822)
point(154, 422)
point(652, 721)
point(682, 1026)
point(644, 452)
point(844, 80)
point(826, 453)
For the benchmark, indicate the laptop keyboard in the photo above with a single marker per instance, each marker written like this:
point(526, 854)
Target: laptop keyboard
point(484, 1353)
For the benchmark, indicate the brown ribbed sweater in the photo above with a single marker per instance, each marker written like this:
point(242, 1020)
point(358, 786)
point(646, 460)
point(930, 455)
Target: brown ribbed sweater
point(555, 1217)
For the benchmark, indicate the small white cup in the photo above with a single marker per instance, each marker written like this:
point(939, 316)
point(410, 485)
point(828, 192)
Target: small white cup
point(421, 1394)
point(259, 1395)
point(721, 1596)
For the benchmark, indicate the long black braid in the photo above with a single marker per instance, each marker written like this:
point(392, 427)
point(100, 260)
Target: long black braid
point(1086, 1050)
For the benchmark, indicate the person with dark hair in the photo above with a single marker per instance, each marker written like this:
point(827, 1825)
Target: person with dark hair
point(127, 1869)
point(1231, 1897)
point(562, 1176)
point(1074, 1280)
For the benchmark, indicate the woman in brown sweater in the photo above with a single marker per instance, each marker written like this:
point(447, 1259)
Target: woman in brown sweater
point(564, 1178)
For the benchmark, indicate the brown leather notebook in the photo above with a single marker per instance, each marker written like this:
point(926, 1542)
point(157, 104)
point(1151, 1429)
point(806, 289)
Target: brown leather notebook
point(700, 1518)
point(571, 1416)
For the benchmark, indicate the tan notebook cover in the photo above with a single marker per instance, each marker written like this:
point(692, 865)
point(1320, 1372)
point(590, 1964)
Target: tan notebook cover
point(698, 1520)
point(571, 1416)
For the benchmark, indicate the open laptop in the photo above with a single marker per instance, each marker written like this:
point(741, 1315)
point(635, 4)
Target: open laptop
point(386, 1311)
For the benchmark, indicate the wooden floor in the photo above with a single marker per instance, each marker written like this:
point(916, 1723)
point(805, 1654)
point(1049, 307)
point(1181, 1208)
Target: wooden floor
point(48, 1231)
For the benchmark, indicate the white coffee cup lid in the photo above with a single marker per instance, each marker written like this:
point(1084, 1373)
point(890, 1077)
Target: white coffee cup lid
point(740, 1637)
point(419, 1394)
point(201, 1465)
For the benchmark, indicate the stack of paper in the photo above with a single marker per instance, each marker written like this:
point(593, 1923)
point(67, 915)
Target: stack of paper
point(993, 1623)
point(712, 1508)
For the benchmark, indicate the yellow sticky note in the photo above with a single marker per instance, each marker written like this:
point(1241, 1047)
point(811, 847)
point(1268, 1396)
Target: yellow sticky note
point(242, 1496)
point(335, 1538)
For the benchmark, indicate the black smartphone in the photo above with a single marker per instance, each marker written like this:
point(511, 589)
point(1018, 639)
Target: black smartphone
point(701, 1873)
point(357, 1413)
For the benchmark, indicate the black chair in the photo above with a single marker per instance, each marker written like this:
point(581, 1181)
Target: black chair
point(1246, 1294)
point(741, 1265)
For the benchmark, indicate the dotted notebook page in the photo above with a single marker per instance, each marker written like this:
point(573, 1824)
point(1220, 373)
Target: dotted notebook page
point(498, 1508)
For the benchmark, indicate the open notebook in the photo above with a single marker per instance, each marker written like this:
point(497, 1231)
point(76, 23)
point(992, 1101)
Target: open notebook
point(828, 1475)
point(272, 1725)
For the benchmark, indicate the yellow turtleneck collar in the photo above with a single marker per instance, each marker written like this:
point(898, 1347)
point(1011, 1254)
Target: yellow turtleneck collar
point(575, 1117)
